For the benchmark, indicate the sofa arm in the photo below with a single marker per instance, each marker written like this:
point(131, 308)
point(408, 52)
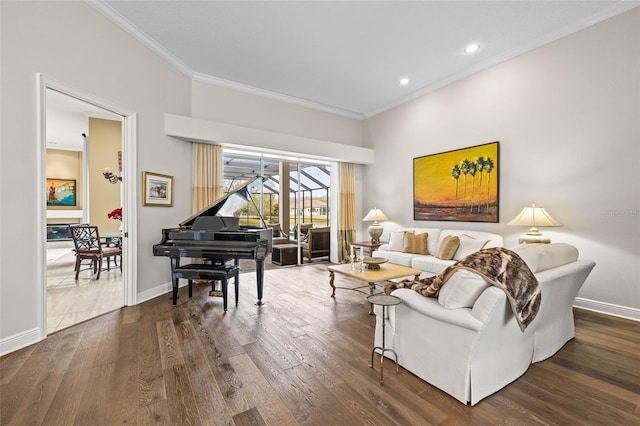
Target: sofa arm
point(430, 307)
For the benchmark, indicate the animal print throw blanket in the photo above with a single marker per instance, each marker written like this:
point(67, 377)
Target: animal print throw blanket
point(499, 266)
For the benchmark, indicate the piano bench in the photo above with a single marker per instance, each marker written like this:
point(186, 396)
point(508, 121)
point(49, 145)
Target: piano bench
point(214, 273)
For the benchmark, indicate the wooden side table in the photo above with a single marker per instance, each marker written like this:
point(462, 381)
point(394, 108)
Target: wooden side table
point(383, 300)
point(368, 245)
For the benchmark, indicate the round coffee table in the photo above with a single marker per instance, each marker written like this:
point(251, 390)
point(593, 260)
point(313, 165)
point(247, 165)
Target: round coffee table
point(383, 300)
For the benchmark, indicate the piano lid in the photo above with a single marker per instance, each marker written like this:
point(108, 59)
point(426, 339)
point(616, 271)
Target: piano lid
point(230, 203)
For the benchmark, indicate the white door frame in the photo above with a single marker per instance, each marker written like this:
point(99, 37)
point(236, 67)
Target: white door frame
point(129, 188)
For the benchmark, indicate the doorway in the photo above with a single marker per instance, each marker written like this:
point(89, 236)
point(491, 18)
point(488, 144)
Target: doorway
point(66, 137)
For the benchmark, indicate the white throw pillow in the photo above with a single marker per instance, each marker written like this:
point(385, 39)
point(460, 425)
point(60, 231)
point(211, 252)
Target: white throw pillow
point(462, 290)
point(468, 245)
point(396, 241)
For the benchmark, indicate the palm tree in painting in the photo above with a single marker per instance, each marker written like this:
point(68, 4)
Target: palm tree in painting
point(464, 168)
point(488, 167)
point(480, 163)
point(473, 168)
point(455, 172)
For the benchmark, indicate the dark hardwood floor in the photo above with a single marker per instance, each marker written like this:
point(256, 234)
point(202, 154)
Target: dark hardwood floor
point(302, 358)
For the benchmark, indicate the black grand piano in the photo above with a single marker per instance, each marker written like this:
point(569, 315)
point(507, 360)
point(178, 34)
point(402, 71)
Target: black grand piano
point(214, 234)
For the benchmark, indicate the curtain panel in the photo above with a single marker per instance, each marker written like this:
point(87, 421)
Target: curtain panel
point(346, 210)
point(207, 178)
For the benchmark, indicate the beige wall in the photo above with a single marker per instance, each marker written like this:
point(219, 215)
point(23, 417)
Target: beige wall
point(567, 116)
point(105, 140)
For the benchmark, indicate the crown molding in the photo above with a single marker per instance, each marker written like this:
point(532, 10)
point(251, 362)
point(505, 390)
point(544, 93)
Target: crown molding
point(275, 96)
point(129, 27)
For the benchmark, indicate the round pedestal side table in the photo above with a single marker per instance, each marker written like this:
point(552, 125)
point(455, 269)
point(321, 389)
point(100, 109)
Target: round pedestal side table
point(383, 300)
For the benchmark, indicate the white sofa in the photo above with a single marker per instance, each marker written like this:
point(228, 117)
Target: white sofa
point(430, 264)
point(471, 352)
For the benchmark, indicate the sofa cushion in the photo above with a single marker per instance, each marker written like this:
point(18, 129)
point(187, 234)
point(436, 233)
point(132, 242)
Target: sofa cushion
point(462, 290)
point(431, 264)
point(415, 243)
point(554, 255)
point(528, 253)
point(396, 241)
point(396, 257)
point(546, 256)
point(448, 247)
point(468, 245)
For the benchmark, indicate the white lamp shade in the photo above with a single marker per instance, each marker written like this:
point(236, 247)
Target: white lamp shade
point(375, 214)
point(534, 216)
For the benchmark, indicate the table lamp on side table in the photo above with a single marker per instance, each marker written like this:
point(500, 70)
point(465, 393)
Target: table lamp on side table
point(375, 230)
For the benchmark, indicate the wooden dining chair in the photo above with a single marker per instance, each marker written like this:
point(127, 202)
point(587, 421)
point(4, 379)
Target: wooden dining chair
point(88, 246)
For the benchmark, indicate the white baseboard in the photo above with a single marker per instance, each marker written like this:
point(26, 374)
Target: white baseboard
point(19, 341)
point(153, 292)
point(157, 291)
point(608, 308)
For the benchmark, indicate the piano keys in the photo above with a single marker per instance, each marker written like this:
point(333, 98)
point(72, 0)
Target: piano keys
point(214, 234)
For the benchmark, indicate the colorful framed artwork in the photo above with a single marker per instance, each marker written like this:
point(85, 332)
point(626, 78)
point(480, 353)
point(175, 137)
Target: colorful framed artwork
point(460, 185)
point(61, 192)
point(157, 190)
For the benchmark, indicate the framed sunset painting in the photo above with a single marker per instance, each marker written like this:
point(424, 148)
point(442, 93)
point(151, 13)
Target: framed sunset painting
point(460, 185)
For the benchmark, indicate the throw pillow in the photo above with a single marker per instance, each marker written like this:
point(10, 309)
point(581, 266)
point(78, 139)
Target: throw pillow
point(396, 241)
point(448, 247)
point(462, 290)
point(415, 243)
point(468, 245)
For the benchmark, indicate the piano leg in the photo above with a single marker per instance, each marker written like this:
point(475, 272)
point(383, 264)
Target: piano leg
point(175, 263)
point(259, 278)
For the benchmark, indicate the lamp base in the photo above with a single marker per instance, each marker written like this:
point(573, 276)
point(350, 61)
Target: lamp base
point(375, 232)
point(534, 239)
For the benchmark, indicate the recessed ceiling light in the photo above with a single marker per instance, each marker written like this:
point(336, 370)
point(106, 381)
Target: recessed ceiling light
point(404, 81)
point(472, 48)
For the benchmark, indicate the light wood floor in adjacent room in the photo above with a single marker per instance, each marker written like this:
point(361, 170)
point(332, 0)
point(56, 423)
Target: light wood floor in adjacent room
point(301, 358)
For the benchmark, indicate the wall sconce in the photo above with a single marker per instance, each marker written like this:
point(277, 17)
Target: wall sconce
point(534, 216)
point(375, 230)
point(111, 177)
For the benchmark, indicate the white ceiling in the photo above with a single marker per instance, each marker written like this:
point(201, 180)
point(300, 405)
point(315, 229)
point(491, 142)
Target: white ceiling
point(347, 57)
point(68, 119)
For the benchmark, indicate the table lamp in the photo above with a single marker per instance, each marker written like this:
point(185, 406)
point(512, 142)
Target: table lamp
point(534, 216)
point(375, 230)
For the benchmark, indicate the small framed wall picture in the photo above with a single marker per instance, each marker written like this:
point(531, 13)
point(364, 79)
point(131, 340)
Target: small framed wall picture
point(157, 190)
point(61, 192)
